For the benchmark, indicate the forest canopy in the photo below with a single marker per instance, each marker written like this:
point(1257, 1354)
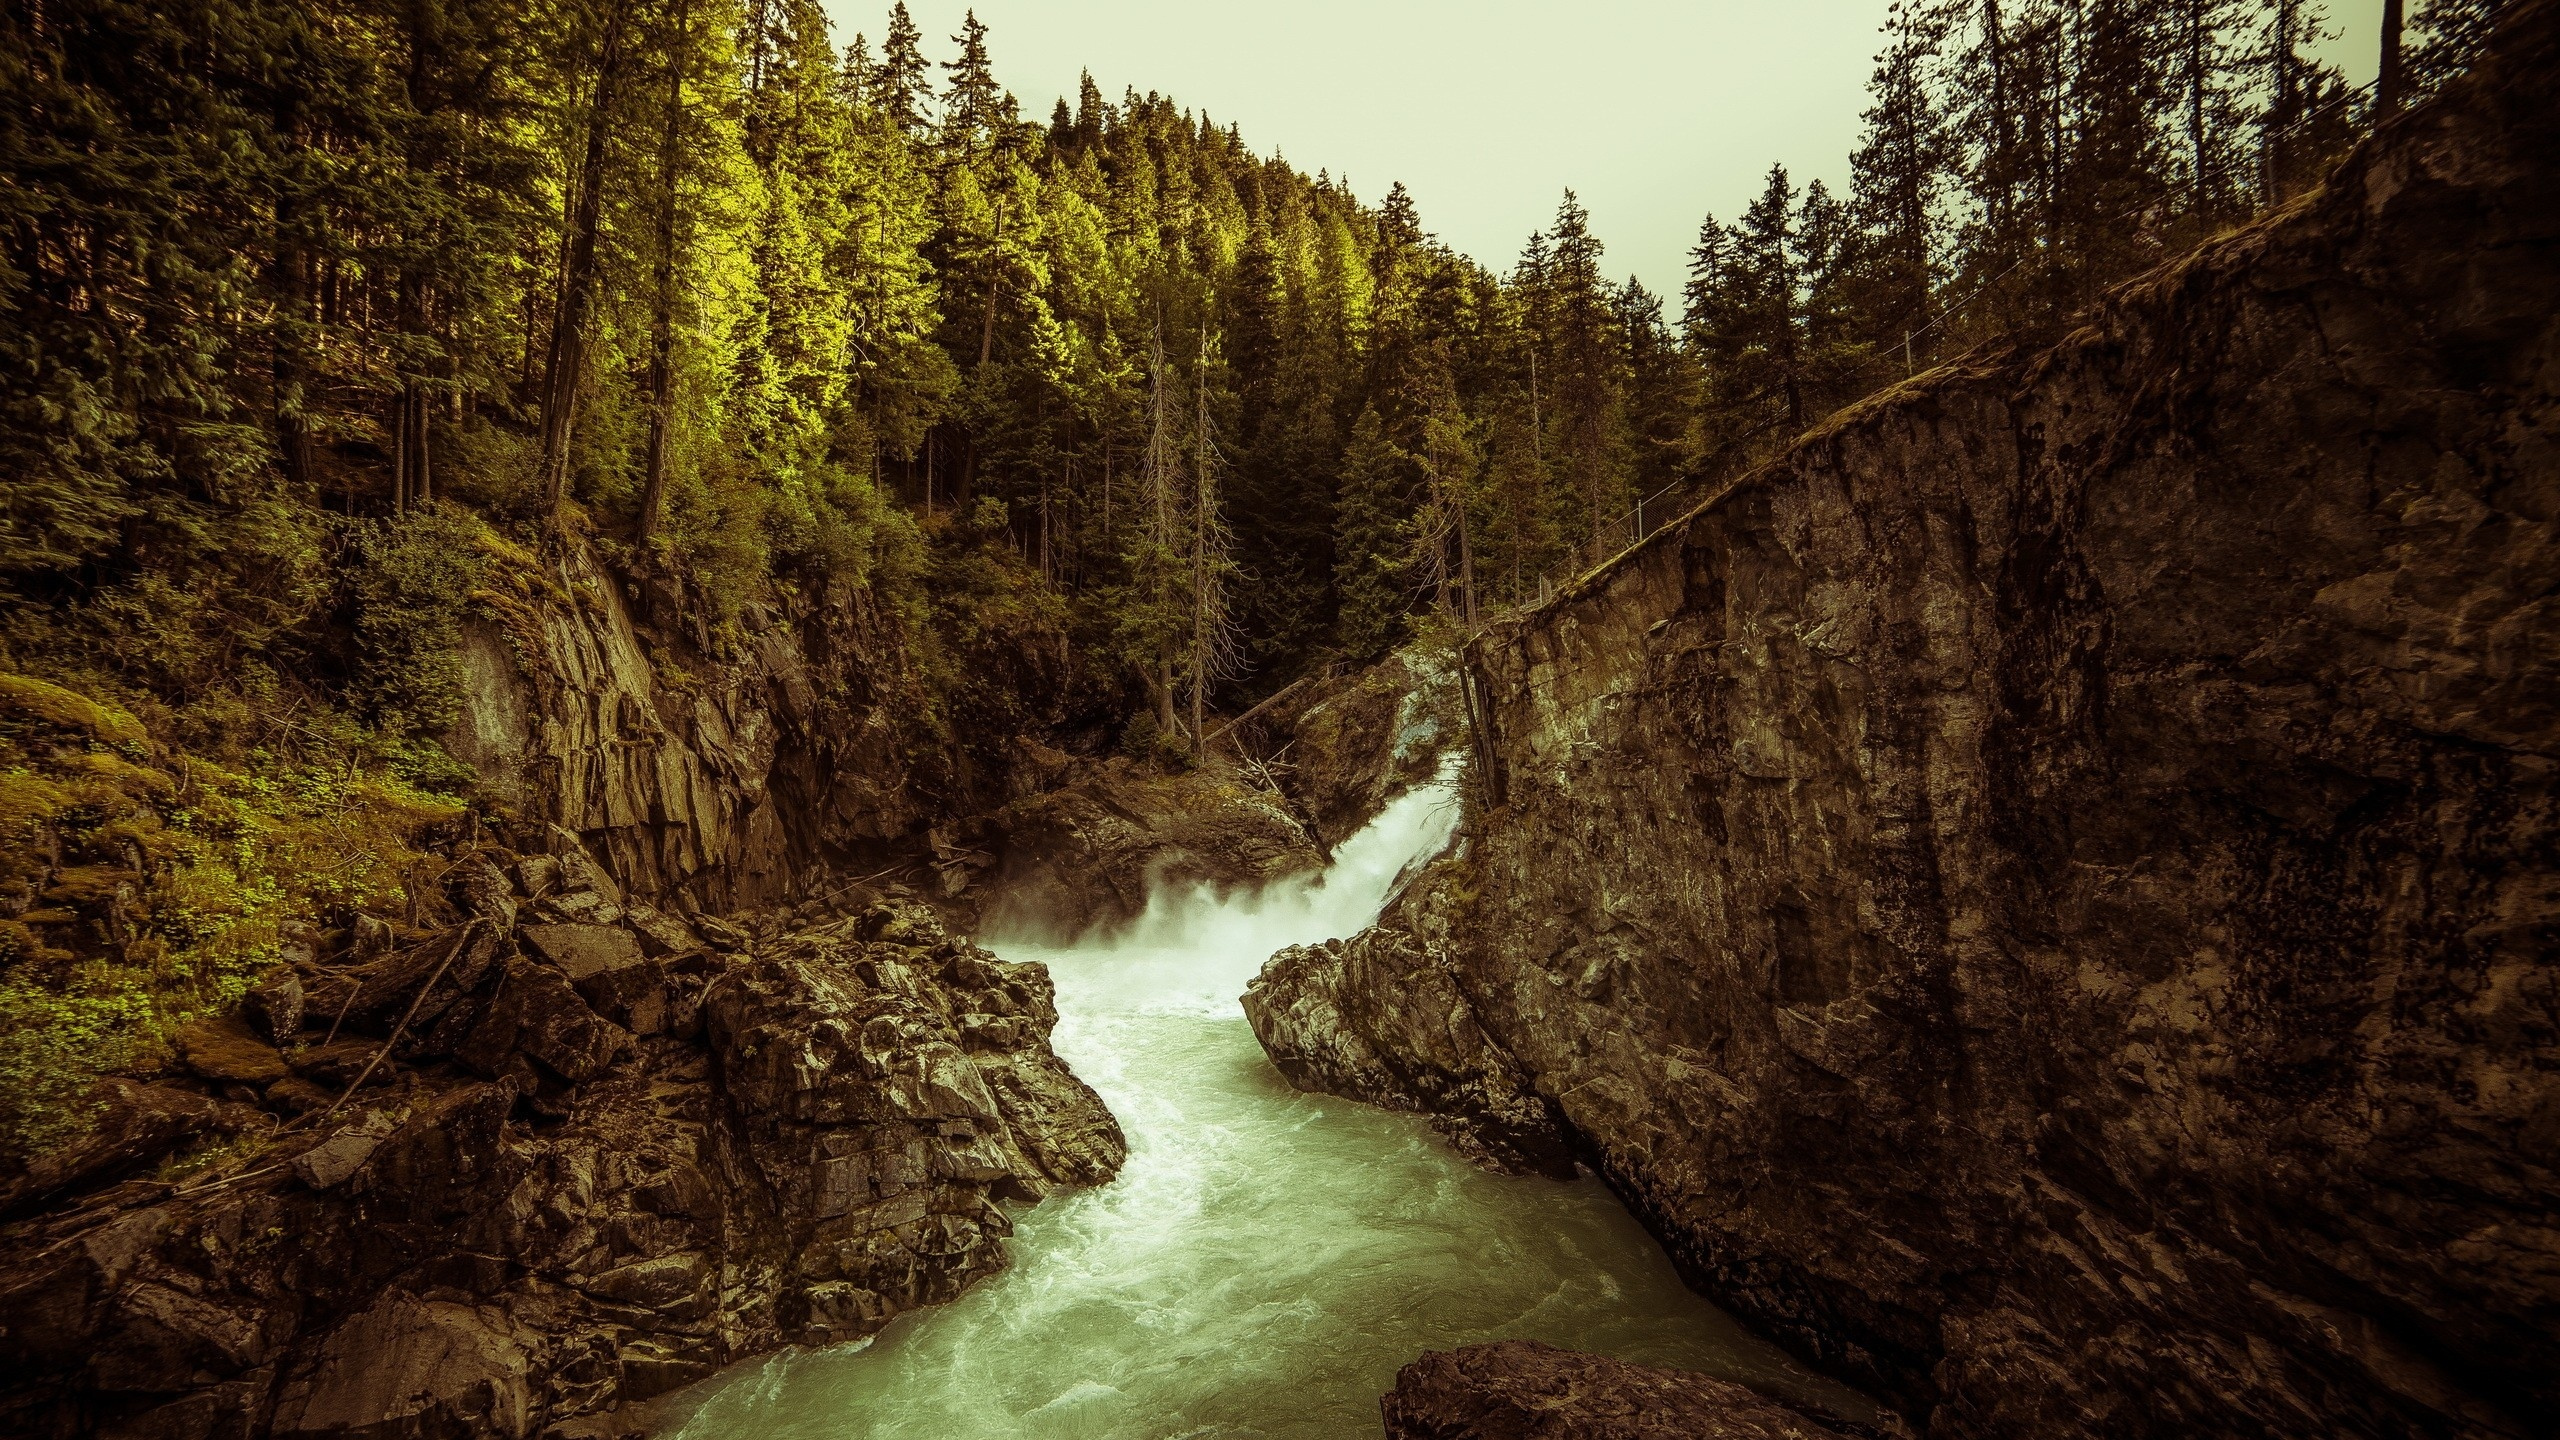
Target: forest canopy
point(750, 302)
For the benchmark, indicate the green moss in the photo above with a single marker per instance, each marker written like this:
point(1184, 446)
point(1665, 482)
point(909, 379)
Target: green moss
point(230, 855)
point(51, 704)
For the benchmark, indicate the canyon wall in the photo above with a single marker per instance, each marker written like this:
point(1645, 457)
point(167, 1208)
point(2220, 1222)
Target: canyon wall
point(2044, 897)
point(711, 768)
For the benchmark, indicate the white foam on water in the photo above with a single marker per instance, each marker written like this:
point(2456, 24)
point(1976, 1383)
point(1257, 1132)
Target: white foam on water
point(1266, 1260)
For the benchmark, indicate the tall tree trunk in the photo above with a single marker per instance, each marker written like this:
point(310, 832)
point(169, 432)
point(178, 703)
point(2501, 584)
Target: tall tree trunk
point(410, 483)
point(565, 370)
point(995, 287)
point(1467, 563)
point(662, 326)
point(1201, 518)
point(2391, 87)
point(2195, 98)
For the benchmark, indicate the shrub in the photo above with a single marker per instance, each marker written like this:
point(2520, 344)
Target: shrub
point(415, 579)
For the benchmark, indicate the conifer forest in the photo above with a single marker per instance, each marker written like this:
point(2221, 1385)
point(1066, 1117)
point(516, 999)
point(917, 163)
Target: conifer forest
point(555, 551)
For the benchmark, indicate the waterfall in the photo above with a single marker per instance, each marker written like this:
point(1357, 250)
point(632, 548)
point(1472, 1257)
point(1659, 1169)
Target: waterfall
point(1266, 1260)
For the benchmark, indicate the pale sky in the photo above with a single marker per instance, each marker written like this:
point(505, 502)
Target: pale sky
point(1655, 112)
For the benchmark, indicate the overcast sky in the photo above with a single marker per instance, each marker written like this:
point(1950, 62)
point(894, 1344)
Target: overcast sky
point(1655, 112)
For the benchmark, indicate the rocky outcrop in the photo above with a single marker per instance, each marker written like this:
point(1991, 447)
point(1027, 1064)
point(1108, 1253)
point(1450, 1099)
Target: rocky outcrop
point(722, 767)
point(1092, 850)
point(2043, 898)
point(1383, 1016)
point(524, 1174)
point(1354, 743)
point(1522, 1390)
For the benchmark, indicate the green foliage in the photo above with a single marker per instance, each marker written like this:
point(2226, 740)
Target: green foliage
point(1370, 538)
point(411, 588)
point(145, 891)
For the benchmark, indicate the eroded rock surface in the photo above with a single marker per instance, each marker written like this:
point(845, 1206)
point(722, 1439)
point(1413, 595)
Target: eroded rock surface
point(1091, 851)
point(1382, 1016)
point(1522, 1390)
point(722, 768)
point(2044, 898)
point(1357, 742)
point(594, 1165)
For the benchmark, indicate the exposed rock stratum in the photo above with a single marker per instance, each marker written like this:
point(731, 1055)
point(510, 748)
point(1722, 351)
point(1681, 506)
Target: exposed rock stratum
point(2044, 897)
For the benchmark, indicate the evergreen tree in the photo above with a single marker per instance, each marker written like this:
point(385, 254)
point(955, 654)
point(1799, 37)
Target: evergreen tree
point(1370, 541)
point(1897, 176)
point(2446, 36)
point(1587, 378)
point(971, 99)
point(899, 87)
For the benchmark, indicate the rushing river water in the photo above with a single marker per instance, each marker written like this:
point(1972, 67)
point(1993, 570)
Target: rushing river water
point(1267, 1260)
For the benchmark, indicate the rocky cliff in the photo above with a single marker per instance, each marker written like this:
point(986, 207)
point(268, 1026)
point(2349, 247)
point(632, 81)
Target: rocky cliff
point(2044, 898)
point(664, 1058)
point(735, 765)
point(520, 1174)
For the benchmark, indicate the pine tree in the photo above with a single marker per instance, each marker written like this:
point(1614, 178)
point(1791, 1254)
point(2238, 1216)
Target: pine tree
point(1213, 654)
point(1154, 606)
point(1588, 380)
point(2446, 36)
point(1370, 540)
point(902, 83)
point(565, 366)
point(1897, 175)
point(971, 98)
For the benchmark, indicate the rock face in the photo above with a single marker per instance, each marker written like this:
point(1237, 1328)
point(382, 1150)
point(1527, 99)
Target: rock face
point(588, 1162)
point(1357, 743)
point(2044, 898)
point(715, 768)
point(1091, 851)
point(1384, 1016)
point(1522, 1390)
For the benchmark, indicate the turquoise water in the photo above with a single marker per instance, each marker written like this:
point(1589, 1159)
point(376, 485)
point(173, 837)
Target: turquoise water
point(1267, 1260)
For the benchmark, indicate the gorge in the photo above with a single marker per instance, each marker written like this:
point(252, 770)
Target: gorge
point(983, 779)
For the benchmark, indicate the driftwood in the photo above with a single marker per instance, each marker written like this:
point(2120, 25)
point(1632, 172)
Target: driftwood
point(1283, 693)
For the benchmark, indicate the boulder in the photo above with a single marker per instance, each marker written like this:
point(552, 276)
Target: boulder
point(223, 1048)
point(607, 966)
point(344, 1152)
point(477, 886)
point(658, 932)
point(668, 1283)
point(412, 1369)
point(274, 1006)
point(538, 1013)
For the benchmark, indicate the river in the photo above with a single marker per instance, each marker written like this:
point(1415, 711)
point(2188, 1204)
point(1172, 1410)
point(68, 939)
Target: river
point(1267, 1260)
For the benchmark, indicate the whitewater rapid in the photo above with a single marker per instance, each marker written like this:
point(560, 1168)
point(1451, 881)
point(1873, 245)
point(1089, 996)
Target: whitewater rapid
point(1266, 1260)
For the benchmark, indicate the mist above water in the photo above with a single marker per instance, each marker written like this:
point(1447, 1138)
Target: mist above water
point(1266, 1260)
